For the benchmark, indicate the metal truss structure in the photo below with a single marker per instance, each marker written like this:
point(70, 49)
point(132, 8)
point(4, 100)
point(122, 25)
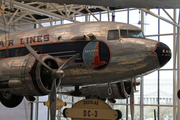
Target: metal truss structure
point(38, 12)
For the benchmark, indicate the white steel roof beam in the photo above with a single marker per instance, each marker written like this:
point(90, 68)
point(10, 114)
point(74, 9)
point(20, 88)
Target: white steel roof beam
point(13, 16)
point(103, 8)
point(57, 9)
point(32, 3)
point(169, 16)
point(70, 10)
point(160, 17)
point(19, 13)
point(108, 14)
point(36, 20)
point(50, 22)
point(36, 10)
point(1, 21)
point(4, 18)
point(42, 21)
point(39, 5)
point(25, 19)
point(77, 11)
point(19, 17)
point(7, 28)
point(92, 14)
point(65, 9)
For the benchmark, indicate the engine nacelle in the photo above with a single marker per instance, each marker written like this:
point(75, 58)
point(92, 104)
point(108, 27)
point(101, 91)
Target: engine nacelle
point(25, 76)
point(120, 90)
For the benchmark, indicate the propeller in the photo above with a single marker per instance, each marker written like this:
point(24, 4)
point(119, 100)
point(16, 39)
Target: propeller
point(55, 73)
point(53, 100)
point(132, 104)
point(133, 86)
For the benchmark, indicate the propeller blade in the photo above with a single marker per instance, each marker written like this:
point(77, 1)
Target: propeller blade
point(69, 61)
point(132, 101)
point(53, 100)
point(33, 52)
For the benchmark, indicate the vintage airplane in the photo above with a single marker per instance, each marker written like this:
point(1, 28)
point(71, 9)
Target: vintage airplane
point(87, 53)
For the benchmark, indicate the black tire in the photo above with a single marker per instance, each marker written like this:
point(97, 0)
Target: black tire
point(178, 94)
point(10, 100)
point(119, 116)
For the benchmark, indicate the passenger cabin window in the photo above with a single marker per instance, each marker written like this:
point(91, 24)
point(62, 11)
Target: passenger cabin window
point(37, 49)
point(2, 53)
point(131, 33)
point(18, 51)
point(113, 35)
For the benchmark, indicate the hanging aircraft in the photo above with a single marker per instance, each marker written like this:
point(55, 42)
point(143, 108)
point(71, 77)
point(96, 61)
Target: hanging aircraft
point(36, 62)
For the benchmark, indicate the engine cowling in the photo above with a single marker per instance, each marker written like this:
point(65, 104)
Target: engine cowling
point(120, 90)
point(26, 76)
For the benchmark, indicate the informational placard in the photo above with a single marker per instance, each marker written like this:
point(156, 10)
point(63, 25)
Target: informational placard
point(92, 109)
point(59, 104)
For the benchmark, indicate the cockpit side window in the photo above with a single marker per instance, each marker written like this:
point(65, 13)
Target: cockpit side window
point(123, 33)
point(113, 35)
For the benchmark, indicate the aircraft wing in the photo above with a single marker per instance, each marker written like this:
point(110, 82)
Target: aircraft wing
point(120, 3)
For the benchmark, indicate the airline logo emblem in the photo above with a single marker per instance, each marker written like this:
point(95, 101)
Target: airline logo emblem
point(96, 55)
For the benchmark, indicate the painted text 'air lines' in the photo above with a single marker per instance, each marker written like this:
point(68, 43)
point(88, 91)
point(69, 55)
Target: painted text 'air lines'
point(34, 39)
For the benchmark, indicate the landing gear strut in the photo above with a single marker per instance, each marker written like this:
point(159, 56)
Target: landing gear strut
point(76, 92)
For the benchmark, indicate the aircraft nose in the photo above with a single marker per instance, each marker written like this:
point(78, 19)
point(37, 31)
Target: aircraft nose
point(163, 53)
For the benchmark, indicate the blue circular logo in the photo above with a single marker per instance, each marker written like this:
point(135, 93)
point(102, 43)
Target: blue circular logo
point(96, 55)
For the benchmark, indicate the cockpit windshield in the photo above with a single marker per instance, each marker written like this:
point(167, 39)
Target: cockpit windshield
point(131, 33)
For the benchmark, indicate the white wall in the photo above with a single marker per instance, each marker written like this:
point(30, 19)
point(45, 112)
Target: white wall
point(21, 112)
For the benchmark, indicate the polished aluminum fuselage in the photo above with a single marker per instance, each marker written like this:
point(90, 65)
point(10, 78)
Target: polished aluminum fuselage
point(128, 56)
point(129, 59)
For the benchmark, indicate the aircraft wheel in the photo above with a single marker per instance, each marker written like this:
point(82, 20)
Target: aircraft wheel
point(119, 114)
point(178, 94)
point(10, 100)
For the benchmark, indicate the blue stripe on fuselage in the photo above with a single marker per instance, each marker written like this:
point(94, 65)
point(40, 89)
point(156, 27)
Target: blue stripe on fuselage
point(63, 50)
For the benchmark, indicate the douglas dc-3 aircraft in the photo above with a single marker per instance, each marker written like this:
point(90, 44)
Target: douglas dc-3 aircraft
point(79, 54)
